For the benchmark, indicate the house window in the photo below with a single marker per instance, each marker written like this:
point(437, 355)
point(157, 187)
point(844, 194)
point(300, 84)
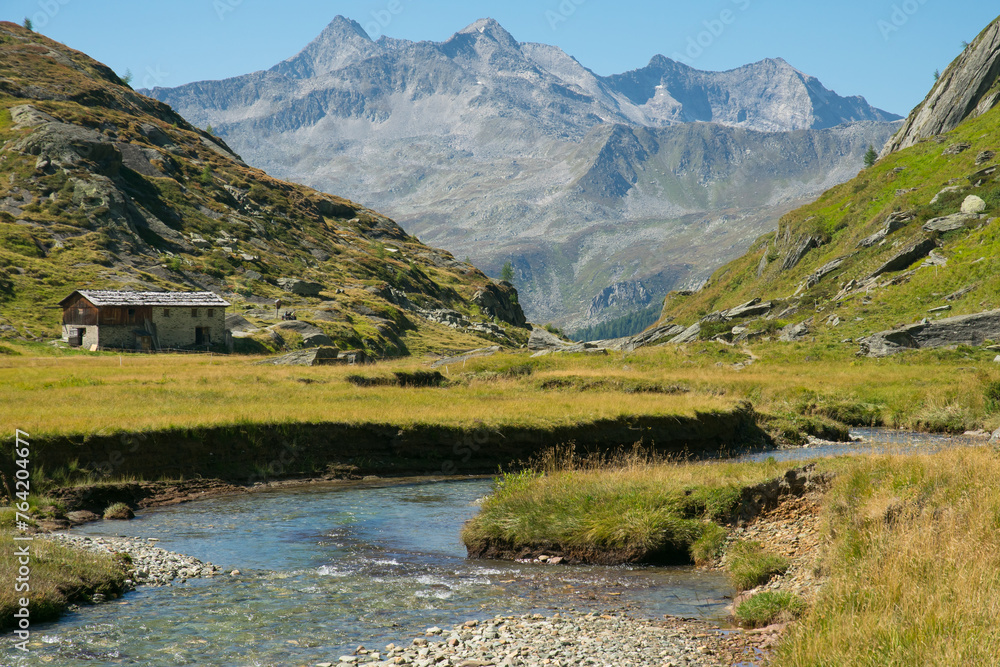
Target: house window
point(166, 312)
point(131, 316)
point(194, 312)
point(211, 312)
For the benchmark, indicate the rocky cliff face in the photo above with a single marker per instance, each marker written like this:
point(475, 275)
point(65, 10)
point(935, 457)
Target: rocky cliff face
point(500, 150)
point(101, 187)
point(968, 88)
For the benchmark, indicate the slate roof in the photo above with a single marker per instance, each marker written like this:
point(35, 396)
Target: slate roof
point(177, 299)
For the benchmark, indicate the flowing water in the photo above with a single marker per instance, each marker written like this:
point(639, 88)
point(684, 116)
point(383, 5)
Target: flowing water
point(324, 569)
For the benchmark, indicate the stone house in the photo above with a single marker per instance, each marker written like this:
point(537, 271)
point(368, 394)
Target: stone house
point(145, 321)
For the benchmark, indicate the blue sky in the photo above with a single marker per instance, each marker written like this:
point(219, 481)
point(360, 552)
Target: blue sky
point(885, 50)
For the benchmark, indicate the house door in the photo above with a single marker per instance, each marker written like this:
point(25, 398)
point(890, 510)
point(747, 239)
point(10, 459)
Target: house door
point(77, 340)
point(202, 336)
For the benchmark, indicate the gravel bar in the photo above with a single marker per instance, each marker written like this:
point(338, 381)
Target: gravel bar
point(557, 641)
point(151, 565)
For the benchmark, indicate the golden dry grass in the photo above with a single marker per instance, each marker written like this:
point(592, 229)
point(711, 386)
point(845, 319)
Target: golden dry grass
point(50, 395)
point(85, 394)
point(914, 564)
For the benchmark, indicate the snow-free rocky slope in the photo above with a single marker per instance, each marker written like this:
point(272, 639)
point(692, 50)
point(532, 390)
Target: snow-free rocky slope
point(103, 188)
point(497, 150)
point(907, 254)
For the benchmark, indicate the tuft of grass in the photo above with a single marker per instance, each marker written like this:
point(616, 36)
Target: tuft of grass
point(708, 547)
point(118, 512)
point(750, 565)
point(769, 607)
point(60, 576)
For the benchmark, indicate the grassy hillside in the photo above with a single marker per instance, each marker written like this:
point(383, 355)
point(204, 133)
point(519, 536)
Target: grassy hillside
point(103, 188)
point(962, 277)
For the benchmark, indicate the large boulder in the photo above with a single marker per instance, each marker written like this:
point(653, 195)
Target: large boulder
point(300, 287)
point(317, 356)
point(540, 339)
point(950, 223)
point(962, 330)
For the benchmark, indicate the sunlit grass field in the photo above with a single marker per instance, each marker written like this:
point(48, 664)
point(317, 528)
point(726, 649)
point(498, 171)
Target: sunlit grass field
point(45, 392)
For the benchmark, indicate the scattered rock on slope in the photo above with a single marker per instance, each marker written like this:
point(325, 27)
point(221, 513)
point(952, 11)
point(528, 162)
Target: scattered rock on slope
point(962, 330)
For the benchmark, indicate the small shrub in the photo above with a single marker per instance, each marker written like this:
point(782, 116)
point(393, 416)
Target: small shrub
point(420, 379)
point(751, 566)
point(769, 607)
point(118, 512)
point(991, 394)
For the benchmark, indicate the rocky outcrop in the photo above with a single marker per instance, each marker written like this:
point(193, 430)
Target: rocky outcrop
point(312, 336)
point(962, 330)
point(542, 340)
point(950, 223)
point(796, 254)
point(753, 308)
point(317, 356)
point(300, 287)
point(965, 90)
point(499, 301)
point(893, 223)
point(689, 335)
point(632, 293)
point(907, 256)
point(795, 332)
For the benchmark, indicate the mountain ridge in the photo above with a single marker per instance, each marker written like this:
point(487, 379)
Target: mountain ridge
point(483, 144)
point(104, 188)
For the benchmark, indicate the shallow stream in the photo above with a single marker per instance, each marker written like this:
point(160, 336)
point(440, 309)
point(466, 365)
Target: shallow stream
point(326, 568)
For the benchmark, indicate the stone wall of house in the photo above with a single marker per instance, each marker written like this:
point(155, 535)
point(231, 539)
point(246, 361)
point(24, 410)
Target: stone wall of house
point(69, 332)
point(121, 336)
point(175, 327)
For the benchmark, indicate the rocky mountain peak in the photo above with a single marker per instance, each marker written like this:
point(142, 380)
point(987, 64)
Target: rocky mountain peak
point(967, 89)
point(342, 42)
point(490, 29)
